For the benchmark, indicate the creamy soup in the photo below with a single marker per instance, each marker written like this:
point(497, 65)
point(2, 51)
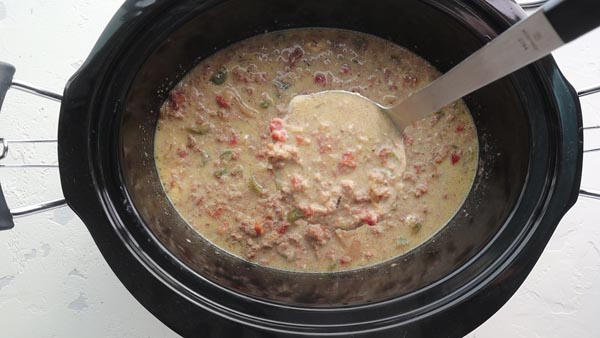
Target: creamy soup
point(326, 183)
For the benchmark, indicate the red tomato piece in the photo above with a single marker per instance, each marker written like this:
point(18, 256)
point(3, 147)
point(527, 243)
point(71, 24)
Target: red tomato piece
point(295, 56)
point(454, 158)
point(233, 140)
point(279, 135)
point(222, 102)
point(348, 160)
point(320, 78)
point(276, 124)
point(182, 153)
point(259, 229)
point(345, 260)
point(176, 99)
point(345, 69)
point(216, 212)
point(282, 229)
point(370, 218)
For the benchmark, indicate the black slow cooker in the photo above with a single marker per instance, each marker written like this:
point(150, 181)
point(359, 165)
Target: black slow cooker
point(530, 135)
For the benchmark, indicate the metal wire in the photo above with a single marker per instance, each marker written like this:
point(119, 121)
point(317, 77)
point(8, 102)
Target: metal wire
point(32, 141)
point(39, 91)
point(43, 206)
point(589, 194)
point(593, 149)
point(37, 208)
point(27, 165)
point(589, 91)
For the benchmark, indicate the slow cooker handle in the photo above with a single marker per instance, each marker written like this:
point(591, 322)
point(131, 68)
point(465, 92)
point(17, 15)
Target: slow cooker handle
point(7, 72)
point(6, 75)
point(585, 192)
point(572, 18)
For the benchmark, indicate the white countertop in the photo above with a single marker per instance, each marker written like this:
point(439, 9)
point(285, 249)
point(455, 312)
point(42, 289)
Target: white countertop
point(54, 282)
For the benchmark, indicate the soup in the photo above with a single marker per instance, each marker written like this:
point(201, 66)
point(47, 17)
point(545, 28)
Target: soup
point(335, 188)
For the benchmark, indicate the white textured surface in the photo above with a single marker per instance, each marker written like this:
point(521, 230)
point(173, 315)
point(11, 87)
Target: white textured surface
point(54, 283)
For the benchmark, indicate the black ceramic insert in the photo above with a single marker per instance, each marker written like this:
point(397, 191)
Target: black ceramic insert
point(529, 172)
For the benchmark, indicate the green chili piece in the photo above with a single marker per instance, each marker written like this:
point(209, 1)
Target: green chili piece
point(255, 186)
point(416, 227)
point(221, 172)
point(264, 104)
point(199, 130)
point(227, 155)
point(294, 215)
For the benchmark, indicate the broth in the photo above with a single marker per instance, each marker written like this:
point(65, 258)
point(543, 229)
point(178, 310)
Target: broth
point(326, 193)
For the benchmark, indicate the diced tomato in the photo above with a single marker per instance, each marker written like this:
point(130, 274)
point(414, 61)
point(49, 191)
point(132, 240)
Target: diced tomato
point(387, 74)
point(222, 102)
point(348, 160)
point(460, 128)
point(282, 229)
point(259, 229)
point(279, 135)
point(295, 56)
point(384, 154)
point(370, 218)
point(300, 140)
point(296, 182)
point(276, 124)
point(345, 69)
point(454, 158)
point(182, 153)
point(233, 140)
point(176, 99)
point(418, 168)
point(324, 144)
point(325, 148)
point(308, 212)
point(216, 212)
point(345, 260)
point(320, 78)
point(408, 140)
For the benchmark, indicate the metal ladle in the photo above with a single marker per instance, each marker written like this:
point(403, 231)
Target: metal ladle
point(556, 23)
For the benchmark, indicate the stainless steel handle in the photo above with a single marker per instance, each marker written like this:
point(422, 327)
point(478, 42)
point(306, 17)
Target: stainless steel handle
point(589, 193)
point(589, 91)
point(6, 214)
point(584, 192)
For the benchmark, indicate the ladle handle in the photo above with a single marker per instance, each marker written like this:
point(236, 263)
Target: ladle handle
point(527, 41)
point(572, 18)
